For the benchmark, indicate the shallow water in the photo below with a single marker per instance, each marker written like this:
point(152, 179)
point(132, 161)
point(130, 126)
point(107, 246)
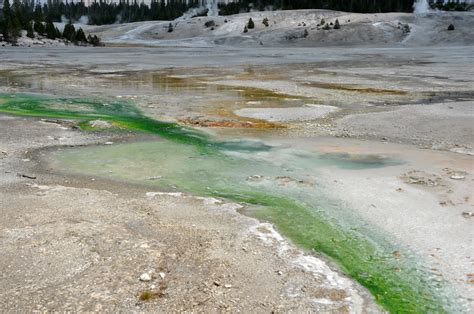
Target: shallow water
point(166, 94)
point(278, 184)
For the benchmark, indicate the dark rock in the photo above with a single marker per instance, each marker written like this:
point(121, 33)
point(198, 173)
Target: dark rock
point(27, 176)
point(210, 23)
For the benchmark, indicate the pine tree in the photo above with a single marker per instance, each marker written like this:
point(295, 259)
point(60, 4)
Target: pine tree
point(337, 25)
point(39, 28)
point(50, 30)
point(12, 27)
point(94, 40)
point(250, 24)
point(38, 20)
point(2, 28)
point(6, 9)
point(29, 30)
point(17, 13)
point(170, 28)
point(69, 32)
point(80, 36)
point(58, 33)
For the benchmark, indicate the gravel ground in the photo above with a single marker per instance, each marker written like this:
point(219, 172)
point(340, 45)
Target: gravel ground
point(446, 125)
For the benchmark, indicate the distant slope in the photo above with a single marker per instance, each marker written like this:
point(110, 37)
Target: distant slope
point(287, 28)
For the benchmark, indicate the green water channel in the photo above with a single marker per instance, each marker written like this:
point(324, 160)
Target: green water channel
point(278, 184)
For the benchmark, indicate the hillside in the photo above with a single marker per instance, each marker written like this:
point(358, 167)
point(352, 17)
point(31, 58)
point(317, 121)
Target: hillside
point(300, 28)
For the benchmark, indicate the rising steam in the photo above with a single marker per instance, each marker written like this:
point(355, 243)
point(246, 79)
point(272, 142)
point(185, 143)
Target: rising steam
point(210, 5)
point(421, 7)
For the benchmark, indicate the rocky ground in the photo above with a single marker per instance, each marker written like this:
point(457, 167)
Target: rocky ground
point(78, 244)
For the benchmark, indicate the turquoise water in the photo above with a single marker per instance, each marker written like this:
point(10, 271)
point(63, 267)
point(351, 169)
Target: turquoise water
point(278, 184)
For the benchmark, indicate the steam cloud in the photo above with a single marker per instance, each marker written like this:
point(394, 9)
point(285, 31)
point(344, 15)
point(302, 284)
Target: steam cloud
point(421, 7)
point(84, 20)
point(210, 5)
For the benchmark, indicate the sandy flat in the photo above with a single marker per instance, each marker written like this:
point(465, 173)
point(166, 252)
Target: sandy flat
point(443, 125)
point(306, 113)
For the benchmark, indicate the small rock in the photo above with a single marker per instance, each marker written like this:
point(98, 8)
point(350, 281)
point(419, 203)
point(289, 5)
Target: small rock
point(162, 275)
point(468, 214)
point(101, 124)
point(255, 177)
point(108, 143)
point(210, 23)
point(217, 283)
point(155, 178)
point(451, 27)
point(227, 286)
point(26, 176)
point(145, 277)
point(457, 177)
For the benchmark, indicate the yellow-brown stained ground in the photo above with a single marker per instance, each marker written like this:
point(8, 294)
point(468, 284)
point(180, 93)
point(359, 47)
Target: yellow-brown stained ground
point(355, 88)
